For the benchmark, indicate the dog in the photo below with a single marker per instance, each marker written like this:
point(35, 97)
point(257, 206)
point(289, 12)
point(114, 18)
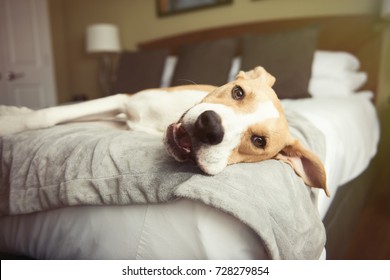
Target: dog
point(241, 121)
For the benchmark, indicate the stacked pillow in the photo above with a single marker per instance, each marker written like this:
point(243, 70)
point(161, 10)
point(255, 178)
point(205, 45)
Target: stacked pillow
point(335, 74)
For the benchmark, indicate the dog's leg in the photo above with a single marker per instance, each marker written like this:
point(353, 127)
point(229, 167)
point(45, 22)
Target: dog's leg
point(48, 117)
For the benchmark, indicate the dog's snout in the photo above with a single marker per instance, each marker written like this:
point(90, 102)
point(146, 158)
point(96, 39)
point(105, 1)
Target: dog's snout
point(208, 128)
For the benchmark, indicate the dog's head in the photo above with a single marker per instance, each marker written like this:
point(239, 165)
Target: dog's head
point(242, 121)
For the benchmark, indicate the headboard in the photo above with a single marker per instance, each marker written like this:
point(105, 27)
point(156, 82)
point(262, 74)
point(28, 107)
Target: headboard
point(355, 34)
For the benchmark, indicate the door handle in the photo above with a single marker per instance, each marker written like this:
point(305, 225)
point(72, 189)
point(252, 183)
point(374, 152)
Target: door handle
point(11, 76)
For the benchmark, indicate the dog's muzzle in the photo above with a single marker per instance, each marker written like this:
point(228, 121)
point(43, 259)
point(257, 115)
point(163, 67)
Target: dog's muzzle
point(206, 130)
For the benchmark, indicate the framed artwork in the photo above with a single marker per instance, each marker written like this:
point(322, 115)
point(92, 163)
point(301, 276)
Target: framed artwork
point(172, 7)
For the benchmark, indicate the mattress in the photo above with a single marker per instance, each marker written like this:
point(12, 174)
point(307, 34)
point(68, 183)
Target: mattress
point(187, 229)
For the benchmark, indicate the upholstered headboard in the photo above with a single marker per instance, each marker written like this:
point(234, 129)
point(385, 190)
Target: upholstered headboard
point(355, 34)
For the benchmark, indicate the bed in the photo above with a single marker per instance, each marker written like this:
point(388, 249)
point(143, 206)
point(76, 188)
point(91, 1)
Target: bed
point(99, 193)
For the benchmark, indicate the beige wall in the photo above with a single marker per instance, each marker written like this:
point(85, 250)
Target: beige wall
point(383, 102)
point(76, 71)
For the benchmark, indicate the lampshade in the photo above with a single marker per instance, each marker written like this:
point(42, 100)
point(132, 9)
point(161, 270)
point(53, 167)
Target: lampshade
point(102, 37)
point(385, 12)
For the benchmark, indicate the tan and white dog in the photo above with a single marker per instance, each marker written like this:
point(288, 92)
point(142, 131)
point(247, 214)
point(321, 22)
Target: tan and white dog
point(241, 121)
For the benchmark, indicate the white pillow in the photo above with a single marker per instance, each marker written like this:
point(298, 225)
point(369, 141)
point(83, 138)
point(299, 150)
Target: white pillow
point(169, 68)
point(345, 84)
point(332, 63)
point(235, 68)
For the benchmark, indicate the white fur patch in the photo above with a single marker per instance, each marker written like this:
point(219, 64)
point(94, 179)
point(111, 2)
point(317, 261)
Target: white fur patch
point(153, 110)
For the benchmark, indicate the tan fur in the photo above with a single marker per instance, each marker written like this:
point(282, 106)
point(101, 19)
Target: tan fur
point(246, 152)
point(207, 88)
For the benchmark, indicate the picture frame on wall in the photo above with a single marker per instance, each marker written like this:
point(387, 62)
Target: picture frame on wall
point(172, 7)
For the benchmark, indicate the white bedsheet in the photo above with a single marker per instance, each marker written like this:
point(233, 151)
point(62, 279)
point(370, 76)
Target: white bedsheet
point(187, 229)
point(351, 129)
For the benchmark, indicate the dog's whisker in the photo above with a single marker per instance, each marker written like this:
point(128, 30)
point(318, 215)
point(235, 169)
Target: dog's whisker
point(189, 81)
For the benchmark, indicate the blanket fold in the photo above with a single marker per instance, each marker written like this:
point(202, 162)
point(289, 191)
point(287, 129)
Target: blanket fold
point(81, 164)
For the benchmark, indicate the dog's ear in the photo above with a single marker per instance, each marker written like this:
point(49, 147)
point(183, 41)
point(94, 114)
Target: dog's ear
point(257, 73)
point(306, 164)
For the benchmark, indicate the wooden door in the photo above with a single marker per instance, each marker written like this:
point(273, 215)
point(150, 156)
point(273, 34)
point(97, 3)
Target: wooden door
point(26, 64)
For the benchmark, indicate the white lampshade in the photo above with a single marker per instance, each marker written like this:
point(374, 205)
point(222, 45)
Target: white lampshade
point(385, 11)
point(102, 37)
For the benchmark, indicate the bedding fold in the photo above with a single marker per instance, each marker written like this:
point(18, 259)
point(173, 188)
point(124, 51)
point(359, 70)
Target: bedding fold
point(81, 164)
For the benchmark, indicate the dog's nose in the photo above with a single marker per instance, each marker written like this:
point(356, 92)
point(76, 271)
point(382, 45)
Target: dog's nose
point(208, 128)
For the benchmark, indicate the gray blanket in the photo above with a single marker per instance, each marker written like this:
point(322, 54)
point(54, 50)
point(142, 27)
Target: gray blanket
point(81, 164)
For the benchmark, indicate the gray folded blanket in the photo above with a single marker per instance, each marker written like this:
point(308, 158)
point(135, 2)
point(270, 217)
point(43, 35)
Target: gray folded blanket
point(84, 164)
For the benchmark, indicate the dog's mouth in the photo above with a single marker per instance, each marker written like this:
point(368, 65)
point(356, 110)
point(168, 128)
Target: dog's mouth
point(178, 142)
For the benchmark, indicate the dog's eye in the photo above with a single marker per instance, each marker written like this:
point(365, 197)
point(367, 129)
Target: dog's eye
point(259, 141)
point(238, 93)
